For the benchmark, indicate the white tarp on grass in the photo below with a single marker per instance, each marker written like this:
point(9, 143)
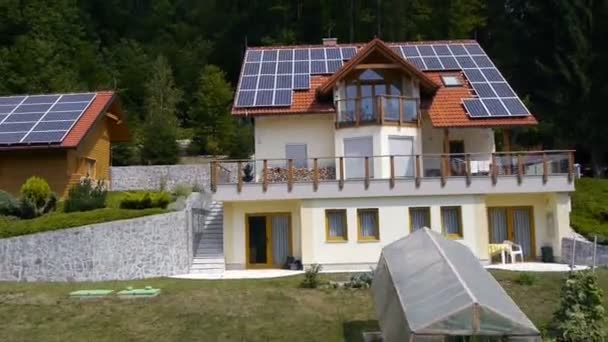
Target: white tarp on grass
point(427, 287)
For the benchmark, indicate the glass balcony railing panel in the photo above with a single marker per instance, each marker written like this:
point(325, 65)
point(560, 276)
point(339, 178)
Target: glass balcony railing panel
point(410, 110)
point(391, 108)
point(557, 163)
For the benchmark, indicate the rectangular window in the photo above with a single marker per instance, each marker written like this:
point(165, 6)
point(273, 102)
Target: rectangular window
point(420, 217)
point(451, 222)
point(90, 167)
point(368, 224)
point(335, 225)
point(298, 153)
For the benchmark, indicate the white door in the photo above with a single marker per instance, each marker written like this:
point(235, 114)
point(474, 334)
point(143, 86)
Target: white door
point(403, 150)
point(355, 149)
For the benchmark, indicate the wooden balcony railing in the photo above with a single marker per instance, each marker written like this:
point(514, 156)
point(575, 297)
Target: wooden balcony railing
point(394, 167)
point(377, 110)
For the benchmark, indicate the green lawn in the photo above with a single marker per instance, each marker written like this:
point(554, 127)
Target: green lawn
point(224, 310)
point(590, 208)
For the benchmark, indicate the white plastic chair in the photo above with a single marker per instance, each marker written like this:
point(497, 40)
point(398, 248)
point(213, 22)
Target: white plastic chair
point(514, 250)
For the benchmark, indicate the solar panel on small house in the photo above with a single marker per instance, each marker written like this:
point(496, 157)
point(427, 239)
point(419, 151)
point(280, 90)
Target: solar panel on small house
point(40, 119)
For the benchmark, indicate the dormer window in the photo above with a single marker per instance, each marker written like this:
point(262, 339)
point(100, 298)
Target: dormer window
point(451, 81)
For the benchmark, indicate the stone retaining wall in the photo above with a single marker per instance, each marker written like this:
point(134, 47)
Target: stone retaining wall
point(154, 177)
point(583, 252)
point(144, 247)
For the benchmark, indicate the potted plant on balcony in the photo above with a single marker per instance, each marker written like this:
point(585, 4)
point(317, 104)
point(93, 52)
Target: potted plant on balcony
point(247, 173)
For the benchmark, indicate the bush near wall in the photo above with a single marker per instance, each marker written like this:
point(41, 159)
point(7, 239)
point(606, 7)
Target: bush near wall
point(10, 227)
point(589, 215)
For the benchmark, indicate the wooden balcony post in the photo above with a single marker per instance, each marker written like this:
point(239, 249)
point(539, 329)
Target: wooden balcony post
point(545, 169)
point(341, 181)
point(392, 180)
point(520, 168)
point(315, 174)
point(214, 176)
point(494, 169)
point(357, 111)
point(239, 175)
point(570, 166)
point(418, 171)
point(366, 181)
point(380, 99)
point(467, 166)
point(401, 114)
point(265, 175)
point(289, 175)
point(444, 167)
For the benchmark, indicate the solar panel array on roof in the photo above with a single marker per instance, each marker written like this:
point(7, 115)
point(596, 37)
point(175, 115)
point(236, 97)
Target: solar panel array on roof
point(40, 119)
point(269, 76)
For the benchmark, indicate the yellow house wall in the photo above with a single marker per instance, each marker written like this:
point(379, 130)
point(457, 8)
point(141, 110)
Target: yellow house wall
point(96, 146)
point(18, 165)
point(234, 227)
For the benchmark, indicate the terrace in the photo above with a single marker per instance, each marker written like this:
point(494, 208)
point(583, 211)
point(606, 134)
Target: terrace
point(394, 175)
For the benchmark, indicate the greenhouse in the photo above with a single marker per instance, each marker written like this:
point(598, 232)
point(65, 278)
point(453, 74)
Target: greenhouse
point(429, 288)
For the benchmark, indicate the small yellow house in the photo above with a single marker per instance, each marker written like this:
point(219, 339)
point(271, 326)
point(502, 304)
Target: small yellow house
point(59, 137)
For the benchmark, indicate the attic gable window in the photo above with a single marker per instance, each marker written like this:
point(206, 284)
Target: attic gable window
point(451, 81)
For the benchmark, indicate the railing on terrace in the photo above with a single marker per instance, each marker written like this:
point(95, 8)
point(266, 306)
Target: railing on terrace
point(392, 168)
point(381, 109)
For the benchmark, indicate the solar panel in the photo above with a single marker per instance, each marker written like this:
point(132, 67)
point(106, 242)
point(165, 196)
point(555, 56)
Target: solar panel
point(475, 108)
point(7, 109)
point(270, 74)
point(41, 118)
point(483, 90)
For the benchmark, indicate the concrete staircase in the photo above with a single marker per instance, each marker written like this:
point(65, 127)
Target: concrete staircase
point(209, 256)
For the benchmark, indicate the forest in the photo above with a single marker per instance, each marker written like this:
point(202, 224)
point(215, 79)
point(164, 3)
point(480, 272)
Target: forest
point(174, 63)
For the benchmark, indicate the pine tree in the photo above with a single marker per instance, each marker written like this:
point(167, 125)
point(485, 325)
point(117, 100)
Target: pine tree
point(160, 128)
point(214, 127)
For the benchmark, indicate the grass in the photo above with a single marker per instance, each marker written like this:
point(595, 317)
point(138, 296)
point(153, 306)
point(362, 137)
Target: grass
point(589, 215)
point(222, 310)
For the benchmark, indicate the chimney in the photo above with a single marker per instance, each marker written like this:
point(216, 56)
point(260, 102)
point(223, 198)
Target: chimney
point(330, 41)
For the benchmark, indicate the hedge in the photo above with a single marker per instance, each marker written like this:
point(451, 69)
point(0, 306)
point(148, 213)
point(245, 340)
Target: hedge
point(57, 220)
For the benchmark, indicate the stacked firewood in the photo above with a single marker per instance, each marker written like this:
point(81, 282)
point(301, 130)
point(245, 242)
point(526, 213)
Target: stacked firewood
point(281, 174)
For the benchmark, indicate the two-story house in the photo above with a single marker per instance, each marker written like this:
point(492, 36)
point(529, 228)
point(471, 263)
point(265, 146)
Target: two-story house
point(357, 145)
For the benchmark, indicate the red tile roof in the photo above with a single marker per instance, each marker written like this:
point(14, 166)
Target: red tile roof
point(100, 104)
point(445, 109)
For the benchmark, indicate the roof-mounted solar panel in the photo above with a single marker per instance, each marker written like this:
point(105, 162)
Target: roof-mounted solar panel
point(41, 119)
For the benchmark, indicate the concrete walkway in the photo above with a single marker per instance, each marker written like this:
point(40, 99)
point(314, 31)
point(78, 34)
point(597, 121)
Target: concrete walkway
point(242, 274)
point(535, 267)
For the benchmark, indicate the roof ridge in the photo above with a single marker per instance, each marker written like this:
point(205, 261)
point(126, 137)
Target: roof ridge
point(359, 44)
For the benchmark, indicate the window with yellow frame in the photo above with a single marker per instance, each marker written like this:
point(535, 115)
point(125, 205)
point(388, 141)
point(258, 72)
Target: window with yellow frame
point(419, 217)
point(451, 222)
point(368, 225)
point(336, 229)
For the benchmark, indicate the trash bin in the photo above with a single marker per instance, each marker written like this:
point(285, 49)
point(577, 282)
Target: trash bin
point(546, 254)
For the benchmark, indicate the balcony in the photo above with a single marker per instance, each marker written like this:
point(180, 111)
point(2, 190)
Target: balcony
point(377, 110)
point(438, 174)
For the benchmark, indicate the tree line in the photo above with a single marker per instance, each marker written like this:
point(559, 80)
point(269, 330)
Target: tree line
point(175, 62)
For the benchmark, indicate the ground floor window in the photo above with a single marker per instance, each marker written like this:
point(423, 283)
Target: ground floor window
point(368, 224)
point(335, 225)
point(451, 222)
point(420, 217)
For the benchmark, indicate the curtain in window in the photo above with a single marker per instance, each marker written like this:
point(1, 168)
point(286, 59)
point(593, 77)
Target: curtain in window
point(451, 220)
point(419, 218)
point(368, 221)
point(337, 226)
point(280, 239)
point(498, 225)
point(297, 152)
point(522, 229)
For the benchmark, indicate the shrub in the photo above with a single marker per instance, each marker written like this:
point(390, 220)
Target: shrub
point(36, 198)
point(361, 280)
point(9, 206)
point(526, 279)
point(311, 277)
point(182, 190)
point(85, 196)
point(580, 316)
point(145, 200)
point(36, 191)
